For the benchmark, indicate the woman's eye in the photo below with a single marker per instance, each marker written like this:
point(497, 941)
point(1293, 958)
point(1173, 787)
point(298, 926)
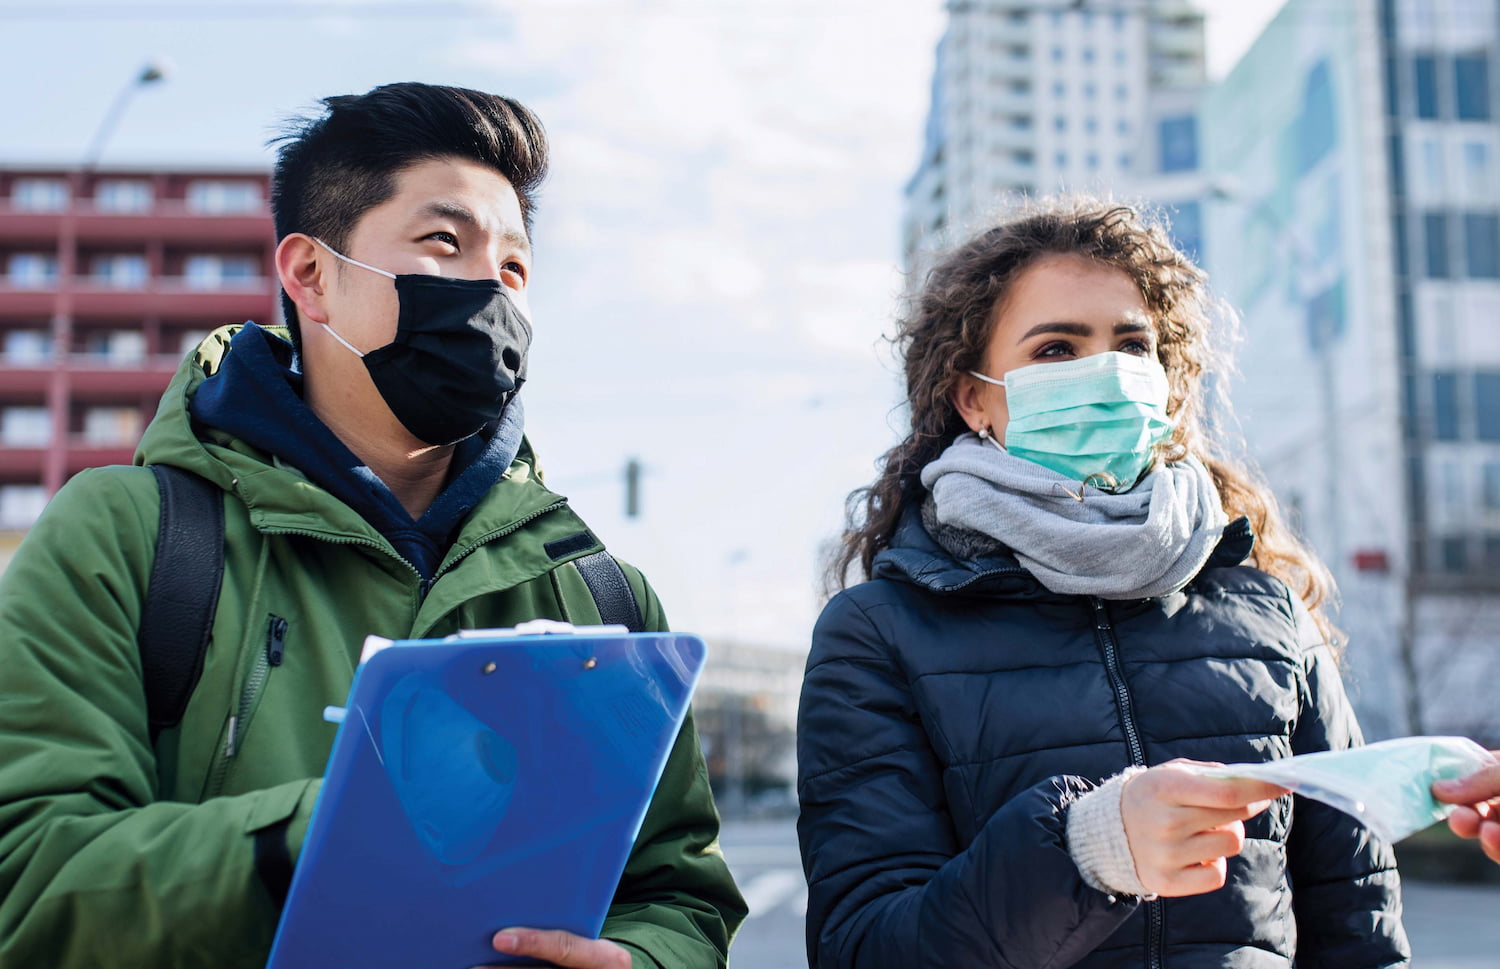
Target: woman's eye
point(1138, 347)
point(1054, 350)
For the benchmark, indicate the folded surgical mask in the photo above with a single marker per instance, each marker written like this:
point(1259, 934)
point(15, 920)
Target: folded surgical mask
point(1387, 786)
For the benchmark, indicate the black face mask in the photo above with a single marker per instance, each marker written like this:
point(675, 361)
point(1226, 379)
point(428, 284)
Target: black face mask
point(458, 358)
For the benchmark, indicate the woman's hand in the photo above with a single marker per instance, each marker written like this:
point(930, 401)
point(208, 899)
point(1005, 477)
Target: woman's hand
point(1183, 826)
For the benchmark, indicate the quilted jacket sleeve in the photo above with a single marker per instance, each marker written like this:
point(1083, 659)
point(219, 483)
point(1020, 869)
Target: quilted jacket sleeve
point(889, 883)
point(1345, 889)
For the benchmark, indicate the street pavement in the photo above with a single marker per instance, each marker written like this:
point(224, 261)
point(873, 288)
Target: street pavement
point(1450, 926)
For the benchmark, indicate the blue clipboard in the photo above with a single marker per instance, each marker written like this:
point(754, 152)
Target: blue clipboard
point(487, 780)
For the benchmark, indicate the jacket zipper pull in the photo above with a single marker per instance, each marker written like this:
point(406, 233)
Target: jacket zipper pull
point(276, 641)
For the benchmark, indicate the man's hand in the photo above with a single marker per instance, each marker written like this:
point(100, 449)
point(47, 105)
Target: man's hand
point(1479, 813)
point(1183, 826)
point(562, 948)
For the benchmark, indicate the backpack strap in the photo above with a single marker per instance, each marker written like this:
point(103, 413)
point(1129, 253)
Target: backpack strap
point(611, 590)
point(183, 593)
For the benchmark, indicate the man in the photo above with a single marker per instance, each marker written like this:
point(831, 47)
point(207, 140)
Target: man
point(375, 479)
point(1479, 813)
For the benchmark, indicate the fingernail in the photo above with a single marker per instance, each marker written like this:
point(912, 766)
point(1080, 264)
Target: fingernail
point(507, 941)
point(1444, 785)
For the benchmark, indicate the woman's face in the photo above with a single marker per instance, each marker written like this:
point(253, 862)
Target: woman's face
point(1060, 308)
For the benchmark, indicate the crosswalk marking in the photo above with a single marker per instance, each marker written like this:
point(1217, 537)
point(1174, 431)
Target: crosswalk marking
point(769, 889)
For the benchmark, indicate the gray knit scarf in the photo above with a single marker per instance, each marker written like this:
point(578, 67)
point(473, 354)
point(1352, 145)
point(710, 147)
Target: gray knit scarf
point(1149, 541)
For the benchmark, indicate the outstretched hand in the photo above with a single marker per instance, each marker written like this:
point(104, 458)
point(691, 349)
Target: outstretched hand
point(1183, 826)
point(1478, 815)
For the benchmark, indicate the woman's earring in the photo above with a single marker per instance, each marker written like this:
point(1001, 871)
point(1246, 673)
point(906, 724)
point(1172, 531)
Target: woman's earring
point(984, 433)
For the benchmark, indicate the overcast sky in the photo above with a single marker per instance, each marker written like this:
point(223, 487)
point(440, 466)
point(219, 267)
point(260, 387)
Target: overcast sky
point(716, 248)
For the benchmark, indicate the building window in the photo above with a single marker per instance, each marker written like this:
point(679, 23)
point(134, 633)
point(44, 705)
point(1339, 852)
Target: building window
point(1059, 89)
point(1477, 173)
point(223, 198)
point(1490, 486)
point(1093, 161)
point(122, 195)
point(219, 272)
point(1119, 19)
point(39, 194)
point(1120, 56)
point(1125, 162)
point(1445, 406)
point(1089, 90)
point(1061, 160)
point(1471, 74)
point(1482, 245)
point(1122, 92)
point(1491, 549)
point(1060, 123)
point(1058, 54)
point(114, 347)
point(111, 426)
point(1453, 554)
point(1088, 55)
point(27, 348)
point(1187, 229)
point(25, 427)
point(1487, 406)
point(1430, 153)
point(21, 505)
point(1425, 81)
point(32, 270)
point(1179, 144)
point(1122, 126)
point(1435, 240)
point(120, 270)
point(1091, 125)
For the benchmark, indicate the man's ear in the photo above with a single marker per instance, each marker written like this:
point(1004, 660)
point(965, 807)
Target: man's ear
point(968, 399)
point(303, 273)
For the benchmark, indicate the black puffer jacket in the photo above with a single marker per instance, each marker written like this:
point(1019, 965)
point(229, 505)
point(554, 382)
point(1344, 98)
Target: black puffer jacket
point(953, 709)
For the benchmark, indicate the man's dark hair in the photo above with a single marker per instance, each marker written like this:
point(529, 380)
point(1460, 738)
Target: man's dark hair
point(332, 169)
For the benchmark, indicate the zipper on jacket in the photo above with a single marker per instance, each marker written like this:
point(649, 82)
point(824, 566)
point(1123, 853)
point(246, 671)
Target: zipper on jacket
point(273, 655)
point(1104, 632)
point(276, 641)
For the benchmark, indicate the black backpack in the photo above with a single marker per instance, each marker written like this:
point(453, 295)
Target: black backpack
point(183, 591)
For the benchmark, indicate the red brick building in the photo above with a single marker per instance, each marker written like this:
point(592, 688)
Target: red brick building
point(106, 278)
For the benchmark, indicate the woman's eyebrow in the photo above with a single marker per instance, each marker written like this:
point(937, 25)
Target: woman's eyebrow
point(1069, 329)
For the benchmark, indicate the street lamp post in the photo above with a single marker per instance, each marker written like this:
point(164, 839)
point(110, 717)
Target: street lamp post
point(153, 72)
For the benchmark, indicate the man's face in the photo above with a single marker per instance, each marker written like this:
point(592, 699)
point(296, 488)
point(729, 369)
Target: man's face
point(448, 217)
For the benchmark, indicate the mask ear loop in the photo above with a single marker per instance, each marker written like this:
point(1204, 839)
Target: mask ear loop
point(339, 255)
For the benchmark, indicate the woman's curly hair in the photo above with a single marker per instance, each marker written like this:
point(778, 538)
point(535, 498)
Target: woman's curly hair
point(945, 334)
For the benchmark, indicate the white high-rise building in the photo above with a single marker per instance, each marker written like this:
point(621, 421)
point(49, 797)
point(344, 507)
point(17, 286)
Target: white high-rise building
point(1356, 158)
point(1038, 96)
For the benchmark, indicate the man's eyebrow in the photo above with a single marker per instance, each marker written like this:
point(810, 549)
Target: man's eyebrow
point(1083, 329)
point(460, 213)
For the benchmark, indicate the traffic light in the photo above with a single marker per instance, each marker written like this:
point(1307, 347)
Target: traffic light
point(632, 488)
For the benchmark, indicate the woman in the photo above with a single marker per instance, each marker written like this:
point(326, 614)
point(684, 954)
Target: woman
point(1070, 589)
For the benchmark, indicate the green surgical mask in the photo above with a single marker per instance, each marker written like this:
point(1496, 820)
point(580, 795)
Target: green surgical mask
point(1096, 419)
point(1386, 786)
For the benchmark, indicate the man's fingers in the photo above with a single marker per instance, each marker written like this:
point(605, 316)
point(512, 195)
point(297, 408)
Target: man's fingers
point(1464, 822)
point(1479, 786)
point(562, 948)
point(1489, 839)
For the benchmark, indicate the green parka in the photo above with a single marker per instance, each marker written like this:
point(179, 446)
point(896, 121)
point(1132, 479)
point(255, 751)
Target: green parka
point(113, 853)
